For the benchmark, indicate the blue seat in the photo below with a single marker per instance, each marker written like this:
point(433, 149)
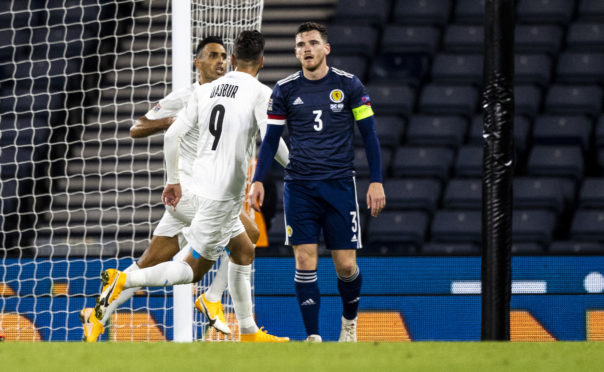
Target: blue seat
point(412, 193)
point(574, 100)
point(463, 194)
point(587, 225)
point(362, 166)
point(587, 37)
point(536, 226)
point(556, 161)
point(432, 130)
point(532, 69)
point(448, 100)
point(456, 226)
point(538, 39)
point(522, 129)
point(563, 130)
point(410, 39)
point(457, 69)
point(391, 99)
point(539, 193)
point(550, 11)
point(469, 162)
point(527, 100)
point(527, 249)
point(581, 68)
point(425, 12)
point(463, 39)
point(362, 12)
point(577, 248)
point(26, 130)
point(450, 249)
point(402, 227)
point(353, 40)
point(356, 65)
point(591, 10)
point(389, 129)
point(600, 131)
point(469, 11)
point(592, 194)
point(422, 162)
point(399, 68)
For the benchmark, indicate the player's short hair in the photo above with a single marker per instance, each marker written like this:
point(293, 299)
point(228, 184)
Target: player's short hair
point(249, 46)
point(205, 41)
point(313, 26)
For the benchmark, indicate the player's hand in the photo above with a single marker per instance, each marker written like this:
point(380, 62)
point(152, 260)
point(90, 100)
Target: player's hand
point(171, 195)
point(376, 199)
point(256, 195)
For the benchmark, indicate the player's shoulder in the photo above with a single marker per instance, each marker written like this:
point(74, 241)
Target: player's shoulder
point(289, 80)
point(343, 74)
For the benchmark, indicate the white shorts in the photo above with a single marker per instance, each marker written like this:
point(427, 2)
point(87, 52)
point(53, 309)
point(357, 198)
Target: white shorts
point(174, 221)
point(214, 224)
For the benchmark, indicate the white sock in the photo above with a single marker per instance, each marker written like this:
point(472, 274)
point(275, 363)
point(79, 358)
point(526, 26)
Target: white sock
point(123, 297)
point(161, 275)
point(241, 293)
point(220, 281)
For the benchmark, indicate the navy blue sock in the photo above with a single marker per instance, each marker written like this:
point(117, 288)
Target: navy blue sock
point(350, 292)
point(309, 299)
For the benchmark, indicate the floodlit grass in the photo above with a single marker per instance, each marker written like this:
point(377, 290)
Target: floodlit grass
point(298, 356)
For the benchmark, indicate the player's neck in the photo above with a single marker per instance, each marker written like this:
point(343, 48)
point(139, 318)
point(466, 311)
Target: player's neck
point(316, 74)
point(252, 70)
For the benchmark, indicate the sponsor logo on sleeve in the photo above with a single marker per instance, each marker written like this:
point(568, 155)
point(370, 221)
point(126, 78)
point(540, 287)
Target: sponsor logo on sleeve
point(157, 107)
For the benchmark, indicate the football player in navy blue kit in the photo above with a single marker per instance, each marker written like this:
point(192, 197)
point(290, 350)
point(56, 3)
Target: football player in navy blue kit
point(320, 105)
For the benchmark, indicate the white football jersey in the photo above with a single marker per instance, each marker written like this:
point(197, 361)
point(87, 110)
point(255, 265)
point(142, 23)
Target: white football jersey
point(170, 106)
point(227, 114)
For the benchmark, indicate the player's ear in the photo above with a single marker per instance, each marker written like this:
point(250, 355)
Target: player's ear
point(327, 48)
point(233, 61)
point(261, 64)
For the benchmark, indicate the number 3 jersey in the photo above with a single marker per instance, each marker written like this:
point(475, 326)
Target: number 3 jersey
point(227, 113)
point(320, 116)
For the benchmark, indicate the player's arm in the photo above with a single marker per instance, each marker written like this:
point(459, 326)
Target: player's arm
point(268, 149)
point(144, 127)
point(376, 198)
point(282, 153)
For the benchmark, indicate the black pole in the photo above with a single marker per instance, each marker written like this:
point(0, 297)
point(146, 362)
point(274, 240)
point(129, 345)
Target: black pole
point(498, 168)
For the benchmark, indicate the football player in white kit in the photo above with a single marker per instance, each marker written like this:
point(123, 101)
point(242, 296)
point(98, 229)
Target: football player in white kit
point(227, 113)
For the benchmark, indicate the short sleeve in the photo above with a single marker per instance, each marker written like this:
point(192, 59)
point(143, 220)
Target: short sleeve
point(277, 109)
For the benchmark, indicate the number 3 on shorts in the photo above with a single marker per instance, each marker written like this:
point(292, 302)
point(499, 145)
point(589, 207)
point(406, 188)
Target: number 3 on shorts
point(355, 225)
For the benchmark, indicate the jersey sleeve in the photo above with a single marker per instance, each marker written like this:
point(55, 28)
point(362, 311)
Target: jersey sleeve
point(277, 108)
point(360, 103)
point(260, 112)
point(186, 119)
point(168, 106)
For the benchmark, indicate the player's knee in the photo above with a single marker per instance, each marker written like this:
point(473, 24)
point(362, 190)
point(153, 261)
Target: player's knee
point(346, 269)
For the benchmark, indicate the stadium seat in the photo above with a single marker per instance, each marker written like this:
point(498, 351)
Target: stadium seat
point(574, 100)
point(17, 163)
point(431, 130)
point(463, 39)
point(356, 65)
point(422, 162)
point(362, 12)
point(410, 39)
point(591, 194)
point(591, 10)
point(450, 249)
point(522, 130)
point(448, 100)
point(588, 225)
point(576, 248)
point(527, 249)
point(362, 166)
point(469, 162)
point(532, 69)
point(425, 12)
point(391, 99)
point(581, 68)
point(586, 37)
point(538, 39)
point(539, 193)
point(556, 161)
point(402, 227)
point(550, 11)
point(527, 100)
point(456, 226)
point(600, 131)
point(533, 226)
point(412, 193)
point(469, 11)
point(562, 130)
point(390, 130)
point(463, 194)
point(399, 68)
point(463, 69)
point(8, 51)
point(353, 40)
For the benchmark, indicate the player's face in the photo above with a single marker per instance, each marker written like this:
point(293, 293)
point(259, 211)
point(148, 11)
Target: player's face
point(311, 50)
point(211, 62)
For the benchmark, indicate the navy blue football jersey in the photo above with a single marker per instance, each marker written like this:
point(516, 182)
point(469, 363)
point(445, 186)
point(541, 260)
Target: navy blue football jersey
point(320, 117)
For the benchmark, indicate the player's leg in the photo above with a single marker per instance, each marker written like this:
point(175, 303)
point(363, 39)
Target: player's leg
point(302, 215)
point(342, 236)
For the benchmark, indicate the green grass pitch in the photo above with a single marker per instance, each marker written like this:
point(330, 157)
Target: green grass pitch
point(299, 356)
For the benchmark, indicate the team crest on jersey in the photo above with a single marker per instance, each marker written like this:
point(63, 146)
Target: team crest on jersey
point(289, 230)
point(336, 96)
point(270, 104)
point(157, 107)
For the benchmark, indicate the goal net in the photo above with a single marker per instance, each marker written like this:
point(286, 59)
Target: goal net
point(78, 194)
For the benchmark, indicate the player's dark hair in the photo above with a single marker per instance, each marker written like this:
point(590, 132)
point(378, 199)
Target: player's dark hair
point(205, 41)
point(313, 26)
point(249, 46)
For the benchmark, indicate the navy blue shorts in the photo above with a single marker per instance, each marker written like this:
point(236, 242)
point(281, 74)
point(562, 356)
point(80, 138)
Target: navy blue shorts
point(329, 205)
